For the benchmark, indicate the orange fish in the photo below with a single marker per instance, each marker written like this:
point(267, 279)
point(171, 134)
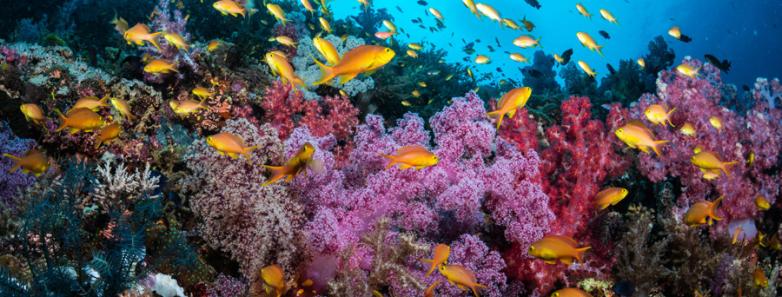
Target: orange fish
point(122, 107)
point(91, 103)
point(229, 7)
point(274, 280)
point(636, 135)
point(107, 133)
point(279, 65)
point(659, 115)
point(139, 34)
point(709, 161)
point(297, 164)
point(440, 257)
point(510, 102)
point(229, 144)
point(429, 292)
point(185, 107)
point(610, 196)
point(160, 66)
point(80, 120)
point(362, 59)
point(32, 112)
point(702, 212)
point(570, 292)
point(412, 156)
point(33, 162)
point(554, 247)
point(461, 277)
point(760, 279)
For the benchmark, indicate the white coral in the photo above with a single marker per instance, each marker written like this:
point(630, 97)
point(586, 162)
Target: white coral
point(166, 286)
point(117, 183)
point(310, 72)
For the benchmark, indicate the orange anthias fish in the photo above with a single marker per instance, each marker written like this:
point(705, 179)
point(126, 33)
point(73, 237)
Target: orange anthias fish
point(302, 160)
point(762, 203)
point(636, 135)
point(687, 70)
point(608, 16)
point(587, 69)
point(32, 112)
point(412, 156)
point(570, 292)
point(759, 278)
point(327, 50)
point(139, 34)
point(229, 7)
point(461, 277)
point(583, 11)
point(176, 40)
point(588, 42)
point(201, 92)
point(122, 107)
point(554, 247)
point(80, 120)
point(185, 107)
point(159, 66)
point(659, 115)
point(365, 58)
point(279, 65)
point(610, 196)
point(273, 280)
point(702, 212)
point(707, 160)
point(107, 133)
point(510, 103)
point(439, 257)
point(33, 162)
point(229, 144)
point(91, 103)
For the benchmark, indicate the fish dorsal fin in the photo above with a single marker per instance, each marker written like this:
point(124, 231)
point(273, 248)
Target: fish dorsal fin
point(568, 240)
point(415, 148)
point(641, 125)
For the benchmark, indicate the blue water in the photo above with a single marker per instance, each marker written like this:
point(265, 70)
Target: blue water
point(748, 33)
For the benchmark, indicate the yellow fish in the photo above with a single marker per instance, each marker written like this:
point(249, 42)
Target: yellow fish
point(139, 34)
point(159, 66)
point(641, 62)
point(120, 24)
point(702, 212)
point(185, 107)
point(436, 13)
point(588, 42)
point(412, 54)
point(559, 59)
point(481, 59)
point(284, 40)
point(439, 257)
point(214, 45)
point(229, 7)
point(406, 103)
point(518, 58)
point(471, 6)
point(554, 247)
point(610, 196)
point(176, 40)
point(276, 11)
point(422, 84)
point(302, 160)
point(461, 277)
point(510, 103)
point(526, 41)
point(308, 6)
point(122, 107)
point(570, 292)
point(273, 280)
point(715, 122)
point(583, 11)
point(389, 25)
point(510, 24)
point(687, 70)
point(489, 12)
point(80, 120)
point(675, 32)
point(412, 156)
point(201, 92)
point(585, 67)
point(229, 144)
point(90, 102)
point(659, 115)
point(327, 50)
point(279, 65)
point(636, 135)
point(759, 278)
point(709, 161)
point(364, 58)
point(687, 129)
point(107, 133)
point(608, 16)
point(415, 46)
point(324, 24)
point(415, 93)
point(364, 3)
point(762, 203)
point(32, 112)
point(33, 162)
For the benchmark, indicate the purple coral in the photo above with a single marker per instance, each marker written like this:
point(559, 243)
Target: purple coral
point(12, 182)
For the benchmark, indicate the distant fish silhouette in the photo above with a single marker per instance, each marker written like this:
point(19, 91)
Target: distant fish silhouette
point(566, 56)
point(533, 3)
point(745, 87)
point(723, 65)
point(611, 69)
point(422, 3)
point(604, 34)
point(685, 38)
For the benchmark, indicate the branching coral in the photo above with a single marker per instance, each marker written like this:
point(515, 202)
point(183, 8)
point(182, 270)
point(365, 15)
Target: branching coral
point(118, 187)
point(254, 224)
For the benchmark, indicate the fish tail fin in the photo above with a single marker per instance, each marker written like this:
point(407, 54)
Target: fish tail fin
point(580, 253)
point(431, 269)
point(16, 162)
point(62, 118)
point(656, 145)
point(278, 173)
point(599, 50)
point(327, 73)
point(154, 38)
point(12, 157)
point(726, 165)
point(669, 116)
point(391, 159)
point(713, 211)
point(98, 143)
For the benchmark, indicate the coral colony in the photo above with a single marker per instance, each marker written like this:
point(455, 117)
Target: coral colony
point(177, 198)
